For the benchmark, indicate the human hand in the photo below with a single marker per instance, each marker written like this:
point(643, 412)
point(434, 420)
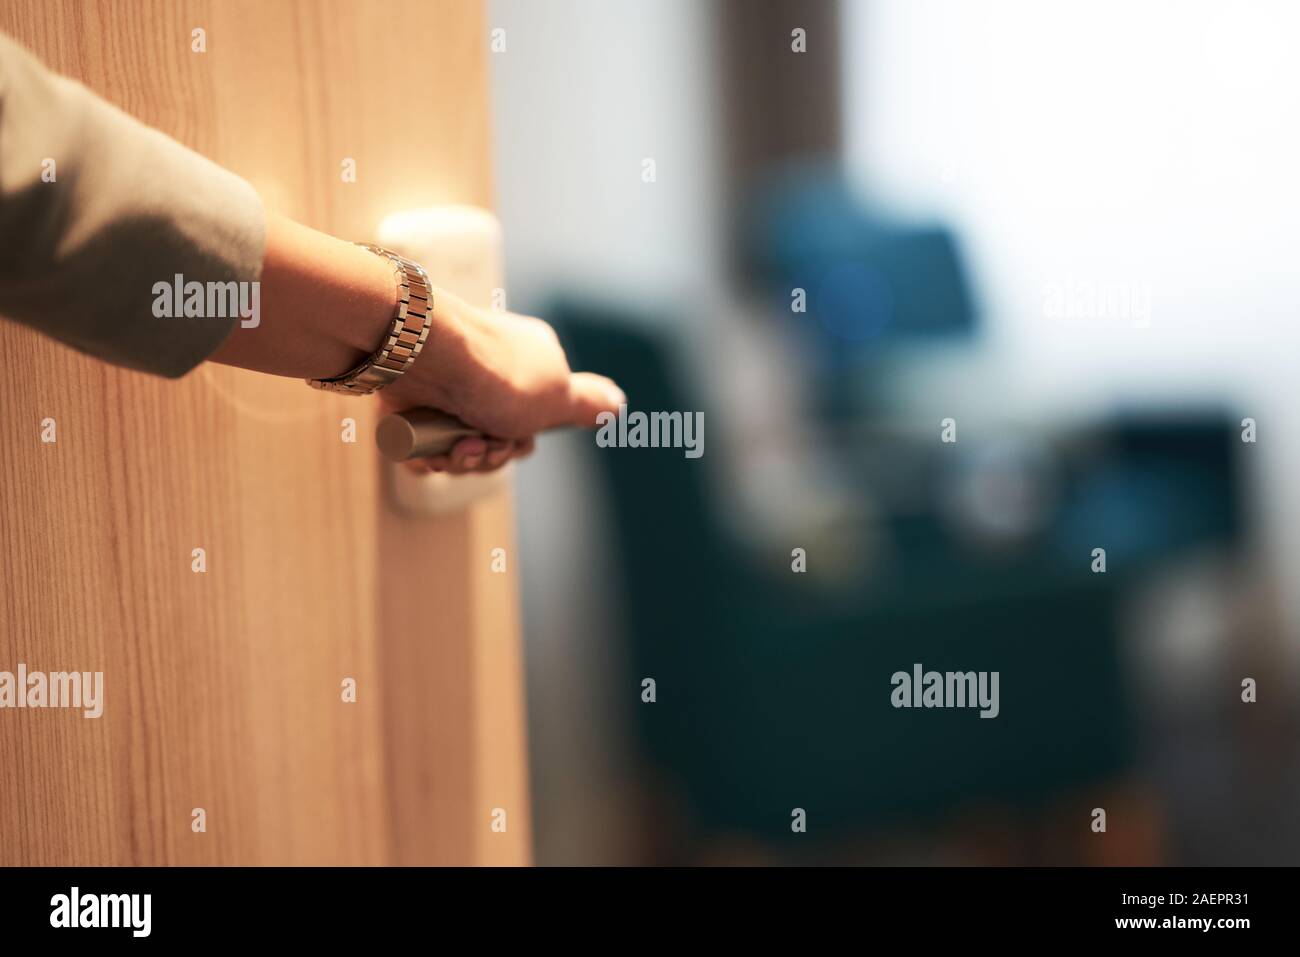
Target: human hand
point(501, 373)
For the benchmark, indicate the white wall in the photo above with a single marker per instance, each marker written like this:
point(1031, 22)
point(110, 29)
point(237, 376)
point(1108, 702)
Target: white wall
point(1139, 147)
point(586, 90)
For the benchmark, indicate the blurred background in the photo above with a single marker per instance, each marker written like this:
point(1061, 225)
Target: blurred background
point(1069, 228)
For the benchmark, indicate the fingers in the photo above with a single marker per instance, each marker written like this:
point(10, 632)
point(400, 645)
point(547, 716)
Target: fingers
point(590, 395)
point(474, 455)
point(498, 453)
point(467, 455)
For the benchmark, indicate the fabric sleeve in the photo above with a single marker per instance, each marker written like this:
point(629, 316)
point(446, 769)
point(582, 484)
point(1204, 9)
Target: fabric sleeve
point(97, 209)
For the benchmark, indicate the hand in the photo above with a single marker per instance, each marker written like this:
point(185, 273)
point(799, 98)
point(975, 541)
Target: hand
point(501, 373)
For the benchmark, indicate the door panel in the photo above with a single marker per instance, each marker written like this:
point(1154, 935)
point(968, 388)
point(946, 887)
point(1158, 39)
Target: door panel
point(223, 688)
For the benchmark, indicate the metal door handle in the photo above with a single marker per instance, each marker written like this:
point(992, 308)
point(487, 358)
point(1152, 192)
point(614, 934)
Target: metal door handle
point(420, 433)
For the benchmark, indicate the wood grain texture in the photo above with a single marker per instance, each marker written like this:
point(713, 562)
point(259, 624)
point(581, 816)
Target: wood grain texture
point(222, 690)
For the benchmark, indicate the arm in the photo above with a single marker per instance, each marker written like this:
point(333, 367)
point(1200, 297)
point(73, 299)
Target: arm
point(326, 303)
point(80, 255)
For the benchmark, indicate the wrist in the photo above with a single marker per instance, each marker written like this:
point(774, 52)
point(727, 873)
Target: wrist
point(364, 311)
point(328, 305)
point(444, 369)
point(325, 306)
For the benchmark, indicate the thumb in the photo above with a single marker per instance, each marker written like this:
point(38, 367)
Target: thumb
point(591, 394)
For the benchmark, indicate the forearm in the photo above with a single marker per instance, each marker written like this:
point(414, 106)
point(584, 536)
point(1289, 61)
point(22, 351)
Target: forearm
point(325, 304)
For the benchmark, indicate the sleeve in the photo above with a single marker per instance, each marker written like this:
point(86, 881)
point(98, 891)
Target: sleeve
point(99, 212)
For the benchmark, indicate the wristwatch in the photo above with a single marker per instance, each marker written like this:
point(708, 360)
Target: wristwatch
point(412, 319)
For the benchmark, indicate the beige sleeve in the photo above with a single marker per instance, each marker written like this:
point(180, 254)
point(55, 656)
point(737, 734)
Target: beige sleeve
point(126, 208)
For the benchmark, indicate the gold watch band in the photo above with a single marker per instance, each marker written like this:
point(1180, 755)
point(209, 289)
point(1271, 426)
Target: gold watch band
point(412, 319)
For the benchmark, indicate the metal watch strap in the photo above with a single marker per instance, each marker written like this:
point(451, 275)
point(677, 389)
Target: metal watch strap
point(412, 320)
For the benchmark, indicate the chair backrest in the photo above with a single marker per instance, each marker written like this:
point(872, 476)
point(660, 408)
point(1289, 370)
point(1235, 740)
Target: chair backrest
point(661, 509)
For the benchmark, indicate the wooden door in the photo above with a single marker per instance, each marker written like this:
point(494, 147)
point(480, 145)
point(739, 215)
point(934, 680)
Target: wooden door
point(223, 689)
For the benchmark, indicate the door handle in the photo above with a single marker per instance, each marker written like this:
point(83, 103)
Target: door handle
point(420, 433)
